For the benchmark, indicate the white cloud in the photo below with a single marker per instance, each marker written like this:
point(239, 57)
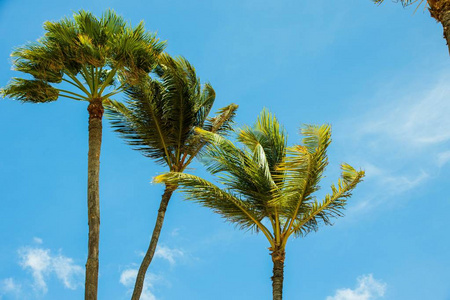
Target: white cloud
point(38, 261)
point(10, 287)
point(402, 183)
point(37, 240)
point(168, 254)
point(443, 158)
point(128, 277)
point(175, 232)
point(42, 264)
point(367, 289)
point(67, 271)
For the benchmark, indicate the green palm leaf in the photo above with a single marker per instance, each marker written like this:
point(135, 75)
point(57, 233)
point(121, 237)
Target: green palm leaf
point(209, 195)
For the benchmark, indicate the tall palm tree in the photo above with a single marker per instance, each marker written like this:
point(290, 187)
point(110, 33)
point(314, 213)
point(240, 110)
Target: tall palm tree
point(439, 10)
point(268, 187)
point(159, 119)
point(89, 55)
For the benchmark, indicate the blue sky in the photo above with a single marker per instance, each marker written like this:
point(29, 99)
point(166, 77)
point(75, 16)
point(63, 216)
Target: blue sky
point(378, 74)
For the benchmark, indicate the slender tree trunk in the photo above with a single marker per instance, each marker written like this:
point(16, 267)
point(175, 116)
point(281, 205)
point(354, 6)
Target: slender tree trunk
point(440, 10)
point(95, 110)
point(278, 274)
point(153, 242)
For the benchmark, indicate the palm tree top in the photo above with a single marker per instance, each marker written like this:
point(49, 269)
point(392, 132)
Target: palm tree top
point(160, 113)
point(87, 52)
point(267, 186)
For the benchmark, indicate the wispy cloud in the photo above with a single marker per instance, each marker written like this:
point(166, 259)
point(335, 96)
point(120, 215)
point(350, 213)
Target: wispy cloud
point(367, 289)
point(420, 117)
point(443, 158)
point(169, 254)
point(67, 271)
point(42, 264)
point(37, 261)
point(9, 286)
point(402, 142)
point(394, 183)
point(128, 278)
point(38, 240)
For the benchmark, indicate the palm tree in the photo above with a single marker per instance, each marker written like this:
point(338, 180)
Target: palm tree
point(268, 187)
point(159, 120)
point(88, 54)
point(439, 10)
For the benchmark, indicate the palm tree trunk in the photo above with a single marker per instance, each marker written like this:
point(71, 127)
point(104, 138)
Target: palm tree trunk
point(153, 242)
point(95, 110)
point(278, 274)
point(440, 10)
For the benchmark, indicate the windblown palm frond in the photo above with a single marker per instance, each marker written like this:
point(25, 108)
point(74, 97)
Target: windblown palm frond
point(221, 201)
point(140, 121)
point(302, 169)
point(332, 206)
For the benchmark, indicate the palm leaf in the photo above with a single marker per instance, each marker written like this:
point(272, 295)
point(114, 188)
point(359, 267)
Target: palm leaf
point(36, 91)
point(141, 122)
point(223, 202)
point(333, 204)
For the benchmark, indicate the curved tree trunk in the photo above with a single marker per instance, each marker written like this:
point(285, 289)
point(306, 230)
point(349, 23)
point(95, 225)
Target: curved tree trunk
point(440, 10)
point(153, 242)
point(95, 110)
point(278, 274)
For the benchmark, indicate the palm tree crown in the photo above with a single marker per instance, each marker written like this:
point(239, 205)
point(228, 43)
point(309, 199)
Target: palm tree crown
point(160, 114)
point(86, 53)
point(267, 186)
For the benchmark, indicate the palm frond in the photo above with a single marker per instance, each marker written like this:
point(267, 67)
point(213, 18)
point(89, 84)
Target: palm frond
point(204, 106)
point(302, 170)
point(267, 132)
point(181, 93)
point(333, 204)
point(43, 63)
point(36, 91)
point(221, 201)
point(223, 120)
point(221, 123)
point(238, 170)
point(141, 122)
